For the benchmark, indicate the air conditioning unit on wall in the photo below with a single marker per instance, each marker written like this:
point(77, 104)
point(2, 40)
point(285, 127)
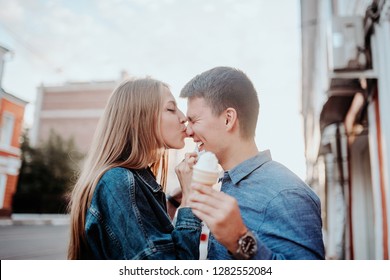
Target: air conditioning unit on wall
point(346, 44)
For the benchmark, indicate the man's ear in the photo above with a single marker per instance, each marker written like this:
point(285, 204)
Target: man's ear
point(230, 118)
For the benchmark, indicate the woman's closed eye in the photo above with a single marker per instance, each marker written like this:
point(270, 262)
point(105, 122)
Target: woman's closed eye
point(170, 106)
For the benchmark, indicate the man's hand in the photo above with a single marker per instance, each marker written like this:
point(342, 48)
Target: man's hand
point(221, 214)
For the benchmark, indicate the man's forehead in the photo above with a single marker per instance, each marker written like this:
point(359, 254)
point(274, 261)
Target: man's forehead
point(196, 105)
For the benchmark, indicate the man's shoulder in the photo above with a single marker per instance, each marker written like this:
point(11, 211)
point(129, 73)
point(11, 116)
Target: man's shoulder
point(287, 180)
point(275, 169)
point(278, 176)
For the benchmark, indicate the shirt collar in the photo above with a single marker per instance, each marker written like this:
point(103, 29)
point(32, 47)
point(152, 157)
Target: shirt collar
point(248, 166)
point(148, 178)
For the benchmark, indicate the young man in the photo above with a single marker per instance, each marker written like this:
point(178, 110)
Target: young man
point(264, 211)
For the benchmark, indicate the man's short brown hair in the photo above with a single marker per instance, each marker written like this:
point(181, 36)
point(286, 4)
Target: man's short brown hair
point(224, 87)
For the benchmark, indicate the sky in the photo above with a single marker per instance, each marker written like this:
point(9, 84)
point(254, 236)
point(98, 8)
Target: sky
point(55, 41)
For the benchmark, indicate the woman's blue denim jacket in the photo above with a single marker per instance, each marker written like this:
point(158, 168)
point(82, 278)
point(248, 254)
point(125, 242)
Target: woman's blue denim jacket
point(128, 219)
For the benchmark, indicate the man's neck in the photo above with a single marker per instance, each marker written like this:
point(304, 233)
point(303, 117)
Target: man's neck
point(238, 152)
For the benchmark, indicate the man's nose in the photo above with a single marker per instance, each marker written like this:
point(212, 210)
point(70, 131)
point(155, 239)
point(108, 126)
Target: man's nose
point(189, 131)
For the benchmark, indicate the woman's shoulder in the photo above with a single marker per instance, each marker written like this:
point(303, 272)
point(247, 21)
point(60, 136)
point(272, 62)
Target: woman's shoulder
point(116, 172)
point(117, 177)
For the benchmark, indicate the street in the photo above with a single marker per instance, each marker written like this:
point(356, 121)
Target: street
point(33, 242)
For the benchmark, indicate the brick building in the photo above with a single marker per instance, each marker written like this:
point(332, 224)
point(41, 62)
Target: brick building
point(11, 122)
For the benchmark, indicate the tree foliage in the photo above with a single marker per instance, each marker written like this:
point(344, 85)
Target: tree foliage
point(48, 170)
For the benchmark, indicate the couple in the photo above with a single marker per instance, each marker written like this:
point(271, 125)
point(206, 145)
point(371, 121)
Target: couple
point(119, 210)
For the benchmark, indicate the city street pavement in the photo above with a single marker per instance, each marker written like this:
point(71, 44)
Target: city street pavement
point(45, 237)
point(34, 237)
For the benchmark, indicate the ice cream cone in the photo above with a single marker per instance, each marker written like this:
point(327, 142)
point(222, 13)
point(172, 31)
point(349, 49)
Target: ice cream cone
point(206, 171)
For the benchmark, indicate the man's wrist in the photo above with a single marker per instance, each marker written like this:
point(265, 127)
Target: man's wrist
point(246, 246)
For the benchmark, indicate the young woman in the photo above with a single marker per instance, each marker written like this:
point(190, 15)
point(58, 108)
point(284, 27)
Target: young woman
point(117, 209)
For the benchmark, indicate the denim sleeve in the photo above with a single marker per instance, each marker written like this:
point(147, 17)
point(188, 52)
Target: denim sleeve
point(186, 235)
point(292, 228)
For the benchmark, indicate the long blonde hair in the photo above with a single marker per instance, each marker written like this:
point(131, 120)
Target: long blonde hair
point(128, 135)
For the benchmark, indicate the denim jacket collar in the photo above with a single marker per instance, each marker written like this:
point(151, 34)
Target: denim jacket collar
point(148, 178)
point(248, 166)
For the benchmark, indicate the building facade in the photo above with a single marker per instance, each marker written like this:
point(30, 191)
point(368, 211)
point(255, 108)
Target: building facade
point(11, 123)
point(346, 107)
point(71, 110)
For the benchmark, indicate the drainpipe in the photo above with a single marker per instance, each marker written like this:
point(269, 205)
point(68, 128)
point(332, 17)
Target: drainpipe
point(342, 162)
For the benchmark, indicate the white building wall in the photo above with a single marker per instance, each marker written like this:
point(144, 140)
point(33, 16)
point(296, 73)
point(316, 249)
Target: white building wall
point(381, 59)
point(375, 181)
point(380, 44)
point(2, 54)
point(320, 80)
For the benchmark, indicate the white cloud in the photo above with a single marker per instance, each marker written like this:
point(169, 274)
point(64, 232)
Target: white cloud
point(11, 11)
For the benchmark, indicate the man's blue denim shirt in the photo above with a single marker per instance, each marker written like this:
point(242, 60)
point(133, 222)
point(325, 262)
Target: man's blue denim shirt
point(127, 219)
point(275, 204)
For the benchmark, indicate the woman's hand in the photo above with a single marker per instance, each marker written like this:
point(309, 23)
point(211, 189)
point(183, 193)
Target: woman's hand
point(184, 175)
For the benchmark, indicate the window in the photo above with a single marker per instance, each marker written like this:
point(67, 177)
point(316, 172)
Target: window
point(7, 128)
point(3, 181)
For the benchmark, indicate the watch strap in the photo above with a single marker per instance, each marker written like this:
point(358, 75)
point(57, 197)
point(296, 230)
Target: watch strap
point(173, 201)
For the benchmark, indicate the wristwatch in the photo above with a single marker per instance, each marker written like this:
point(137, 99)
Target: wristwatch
point(247, 246)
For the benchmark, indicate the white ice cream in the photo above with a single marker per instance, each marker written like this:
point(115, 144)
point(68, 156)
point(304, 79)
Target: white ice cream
point(208, 162)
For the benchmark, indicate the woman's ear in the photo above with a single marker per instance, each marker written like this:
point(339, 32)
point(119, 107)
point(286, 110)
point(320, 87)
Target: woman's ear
point(230, 118)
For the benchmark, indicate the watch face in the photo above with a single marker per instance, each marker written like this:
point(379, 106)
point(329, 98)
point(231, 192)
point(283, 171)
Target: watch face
point(248, 246)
